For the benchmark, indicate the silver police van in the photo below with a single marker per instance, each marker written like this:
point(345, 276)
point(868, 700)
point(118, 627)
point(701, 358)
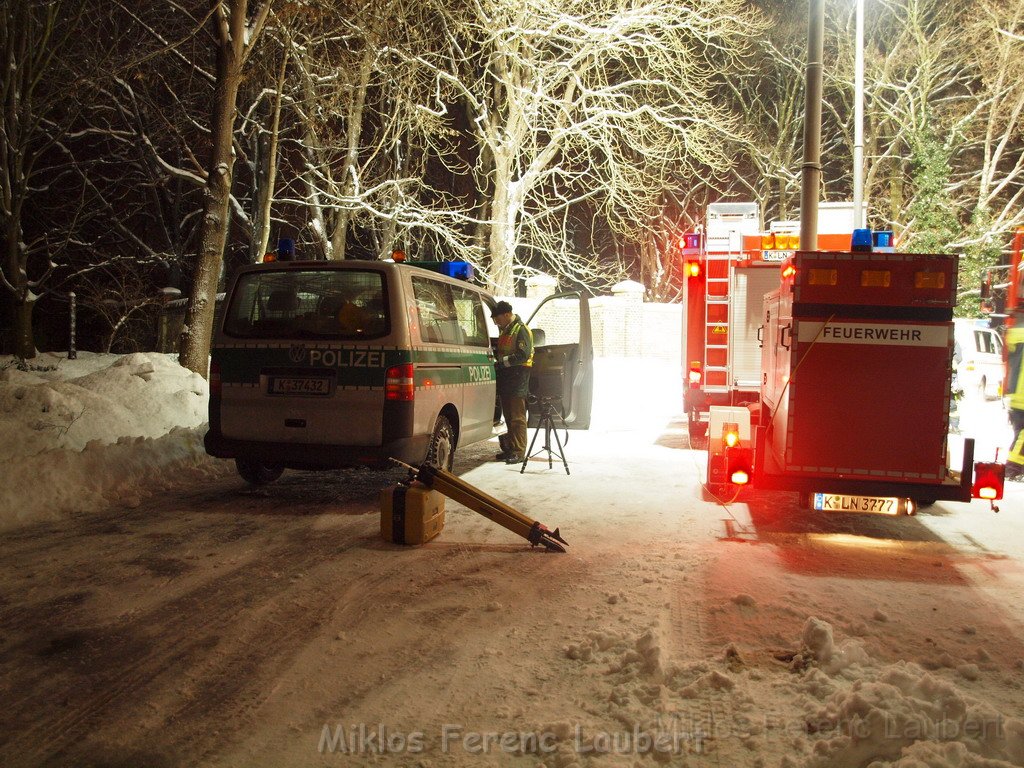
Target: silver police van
point(330, 364)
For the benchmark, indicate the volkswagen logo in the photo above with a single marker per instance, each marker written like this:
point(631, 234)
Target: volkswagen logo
point(297, 353)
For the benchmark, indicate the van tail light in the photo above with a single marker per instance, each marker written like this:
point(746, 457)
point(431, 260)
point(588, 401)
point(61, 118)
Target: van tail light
point(214, 380)
point(399, 383)
point(989, 477)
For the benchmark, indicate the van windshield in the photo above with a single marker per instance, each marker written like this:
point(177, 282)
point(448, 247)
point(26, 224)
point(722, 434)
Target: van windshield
point(313, 303)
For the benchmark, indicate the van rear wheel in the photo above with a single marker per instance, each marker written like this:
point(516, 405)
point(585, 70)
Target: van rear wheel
point(255, 473)
point(441, 451)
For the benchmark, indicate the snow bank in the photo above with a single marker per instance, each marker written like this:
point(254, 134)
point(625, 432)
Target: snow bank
point(76, 435)
point(830, 704)
point(898, 715)
point(59, 403)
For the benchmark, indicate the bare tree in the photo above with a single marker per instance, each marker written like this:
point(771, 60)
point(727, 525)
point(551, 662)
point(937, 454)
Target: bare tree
point(120, 294)
point(235, 34)
point(264, 163)
point(586, 102)
point(991, 157)
point(948, 103)
point(33, 37)
point(366, 138)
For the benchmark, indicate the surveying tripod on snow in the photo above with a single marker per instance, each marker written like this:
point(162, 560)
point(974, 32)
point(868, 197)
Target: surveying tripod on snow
point(548, 414)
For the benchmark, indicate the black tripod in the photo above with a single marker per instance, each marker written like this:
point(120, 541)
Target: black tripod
point(548, 414)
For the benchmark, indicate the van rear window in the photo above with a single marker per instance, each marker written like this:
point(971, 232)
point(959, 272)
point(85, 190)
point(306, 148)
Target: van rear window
point(308, 304)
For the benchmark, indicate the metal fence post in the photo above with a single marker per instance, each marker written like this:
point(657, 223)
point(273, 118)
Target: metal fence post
point(72, 352)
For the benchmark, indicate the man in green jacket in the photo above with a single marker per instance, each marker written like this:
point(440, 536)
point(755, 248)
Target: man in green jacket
point(512, 368)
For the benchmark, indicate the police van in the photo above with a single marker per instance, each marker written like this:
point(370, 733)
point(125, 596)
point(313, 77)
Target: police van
point(330, 364)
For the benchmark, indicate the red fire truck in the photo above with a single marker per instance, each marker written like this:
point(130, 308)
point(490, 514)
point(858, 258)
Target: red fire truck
point(730, 267)
point(827, 372)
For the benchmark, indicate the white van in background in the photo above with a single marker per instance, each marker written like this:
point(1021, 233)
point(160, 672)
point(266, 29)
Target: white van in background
point(978, 354)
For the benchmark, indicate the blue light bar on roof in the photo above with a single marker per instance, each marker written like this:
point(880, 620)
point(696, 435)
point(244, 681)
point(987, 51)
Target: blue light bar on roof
point(460, 270)
point(882, 240)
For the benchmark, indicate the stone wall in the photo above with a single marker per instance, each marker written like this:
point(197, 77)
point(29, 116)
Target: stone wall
point(621, 325)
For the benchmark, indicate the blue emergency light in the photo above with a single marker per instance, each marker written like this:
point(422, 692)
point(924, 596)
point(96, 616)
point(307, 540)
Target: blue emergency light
point(460, 270)
point(862, 241)
point(285, 249)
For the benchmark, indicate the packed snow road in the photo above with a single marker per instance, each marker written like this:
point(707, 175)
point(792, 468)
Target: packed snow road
point(220, 625)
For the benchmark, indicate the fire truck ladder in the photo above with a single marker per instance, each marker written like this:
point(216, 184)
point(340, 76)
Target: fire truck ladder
point(717, 313)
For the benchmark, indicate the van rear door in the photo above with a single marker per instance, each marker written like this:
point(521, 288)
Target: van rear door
point(563, 357)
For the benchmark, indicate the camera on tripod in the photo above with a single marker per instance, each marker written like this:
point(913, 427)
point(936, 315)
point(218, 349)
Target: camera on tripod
point(545, 403)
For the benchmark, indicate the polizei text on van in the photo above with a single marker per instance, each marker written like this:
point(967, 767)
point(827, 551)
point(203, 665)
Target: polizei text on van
point(346, 358)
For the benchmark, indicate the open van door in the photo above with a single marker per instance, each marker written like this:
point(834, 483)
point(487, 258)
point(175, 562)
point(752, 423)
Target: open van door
point(563, 359)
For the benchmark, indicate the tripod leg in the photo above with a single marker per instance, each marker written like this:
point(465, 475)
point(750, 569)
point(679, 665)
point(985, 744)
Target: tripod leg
point(561, 452)
point(548, 429)
point(529, 451)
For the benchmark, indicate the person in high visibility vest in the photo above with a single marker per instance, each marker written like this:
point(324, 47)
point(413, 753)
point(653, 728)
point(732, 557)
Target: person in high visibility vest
point(512, 370)
point(1015, 389)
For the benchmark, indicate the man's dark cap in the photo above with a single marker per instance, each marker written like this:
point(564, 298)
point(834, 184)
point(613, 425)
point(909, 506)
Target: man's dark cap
point(501, 308)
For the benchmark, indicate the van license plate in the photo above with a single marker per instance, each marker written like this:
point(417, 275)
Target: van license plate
point(835, 502)
point(299, 385)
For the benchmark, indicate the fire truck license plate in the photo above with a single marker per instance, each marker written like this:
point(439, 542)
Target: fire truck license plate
point(834, 502)
point(298, 385)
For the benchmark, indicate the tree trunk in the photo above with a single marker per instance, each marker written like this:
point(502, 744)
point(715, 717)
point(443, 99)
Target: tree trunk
point(19, 300)
point(267, 171)
point(24, 345)
point(505, 211)
point(350, 168)
point(503, 240)
point(197, 332)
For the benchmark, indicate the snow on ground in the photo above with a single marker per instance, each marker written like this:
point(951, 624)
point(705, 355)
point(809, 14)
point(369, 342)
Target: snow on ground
point(100, 429)
point(675, 632)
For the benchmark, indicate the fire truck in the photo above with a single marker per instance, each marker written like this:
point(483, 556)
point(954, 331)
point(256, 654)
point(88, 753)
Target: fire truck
point(730, 266)
point(826, 372)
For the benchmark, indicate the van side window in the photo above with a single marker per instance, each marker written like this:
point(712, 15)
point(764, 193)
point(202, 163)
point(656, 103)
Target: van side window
point(469, 308)
point(556, 322)
point(986, 342)
point(439, 322)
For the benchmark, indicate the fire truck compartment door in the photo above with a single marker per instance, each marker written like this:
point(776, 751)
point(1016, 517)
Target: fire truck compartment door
point(869, 399)
point(563, 358)
point(750, 284)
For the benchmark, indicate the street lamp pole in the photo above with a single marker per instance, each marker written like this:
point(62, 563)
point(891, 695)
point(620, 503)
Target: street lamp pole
point(810, 176)
point(858, 122)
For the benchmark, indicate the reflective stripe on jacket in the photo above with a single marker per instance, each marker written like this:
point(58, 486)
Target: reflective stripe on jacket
point(515, 345)
point(1015, 368)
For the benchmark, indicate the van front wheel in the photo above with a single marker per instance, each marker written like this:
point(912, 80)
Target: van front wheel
point(441, 451)
point(255, 473)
